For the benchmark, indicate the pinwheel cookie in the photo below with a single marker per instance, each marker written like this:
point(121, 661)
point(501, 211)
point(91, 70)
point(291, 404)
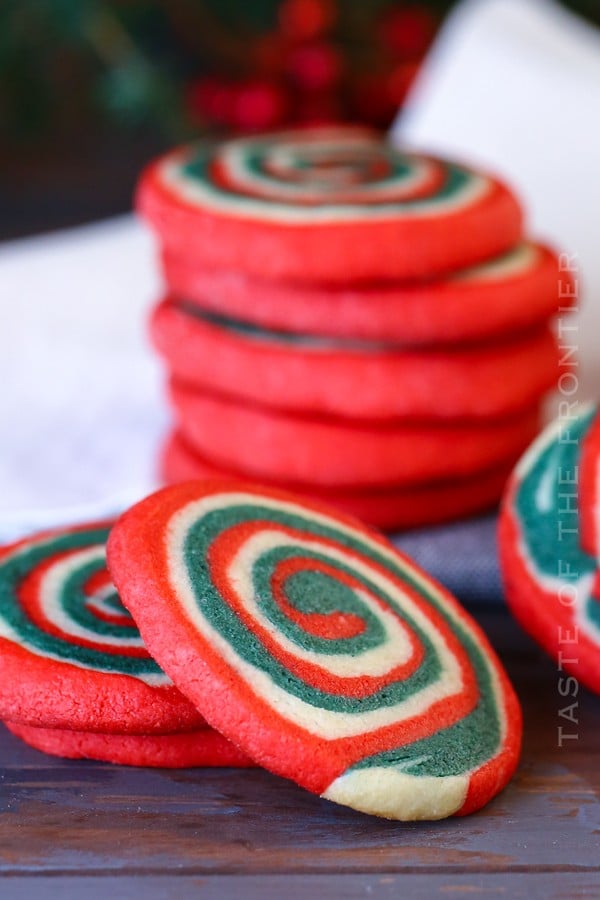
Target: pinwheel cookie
point(325, 654)
point(549, 544)
point(70, 654)
point(75, 677)
point(272, 205)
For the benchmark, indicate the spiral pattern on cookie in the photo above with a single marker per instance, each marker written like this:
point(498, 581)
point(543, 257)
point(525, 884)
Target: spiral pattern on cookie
point(343, 640)
point(57, 601)
point(325, 175)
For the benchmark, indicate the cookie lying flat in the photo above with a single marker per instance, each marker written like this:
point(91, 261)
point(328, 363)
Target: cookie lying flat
point(547, 531)
point(205, 747)
point(388, 508)
point(317, 648)
point(70, 654)
point(500, 297)
point(370, 381)
point(333, 204)
point(279, 446)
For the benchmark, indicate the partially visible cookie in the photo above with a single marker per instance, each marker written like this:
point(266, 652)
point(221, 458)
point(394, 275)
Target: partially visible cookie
point(548, 544)
point(70, 654)
point(589, 489)
point(320, 650)
point(204, 747)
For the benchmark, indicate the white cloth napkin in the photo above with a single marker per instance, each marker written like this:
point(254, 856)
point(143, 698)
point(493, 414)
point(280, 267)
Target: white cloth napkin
point(80, 397)
point(514, 85)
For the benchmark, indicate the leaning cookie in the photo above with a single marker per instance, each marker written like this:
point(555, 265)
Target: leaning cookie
point(335, 204)
point(70, 655)
point(503, 296)
point(548, 546)
point(205, 747)
point(387, 507)
point(353, 378)
point(326, 655)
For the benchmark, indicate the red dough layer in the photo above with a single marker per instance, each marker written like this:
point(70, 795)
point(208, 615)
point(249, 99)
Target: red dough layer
point(454, 309)
point(271, 445)
point(331, 251)
point(373, 382)
point(205, 747)
point(386, 508)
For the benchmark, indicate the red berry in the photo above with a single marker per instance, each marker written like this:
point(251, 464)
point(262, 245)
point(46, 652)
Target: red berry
point(306, 19)
point(258, 105)
point(315, 67)
point(212, 99)
point(408, 31)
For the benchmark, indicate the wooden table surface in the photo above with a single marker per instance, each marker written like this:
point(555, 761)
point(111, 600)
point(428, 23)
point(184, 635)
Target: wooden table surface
point(77, 828)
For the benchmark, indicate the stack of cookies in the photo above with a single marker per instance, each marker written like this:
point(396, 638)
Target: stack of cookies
point(359, 324)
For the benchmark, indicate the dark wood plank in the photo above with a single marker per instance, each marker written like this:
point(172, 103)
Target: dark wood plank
point(61, 820)
point(573, 886)
point(92, 818)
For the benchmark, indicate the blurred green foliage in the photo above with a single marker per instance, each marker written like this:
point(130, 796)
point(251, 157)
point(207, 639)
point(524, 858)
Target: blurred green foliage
point(68, 65)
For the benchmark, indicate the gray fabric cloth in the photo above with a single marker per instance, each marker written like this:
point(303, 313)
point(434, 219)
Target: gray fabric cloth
point(462, 556)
